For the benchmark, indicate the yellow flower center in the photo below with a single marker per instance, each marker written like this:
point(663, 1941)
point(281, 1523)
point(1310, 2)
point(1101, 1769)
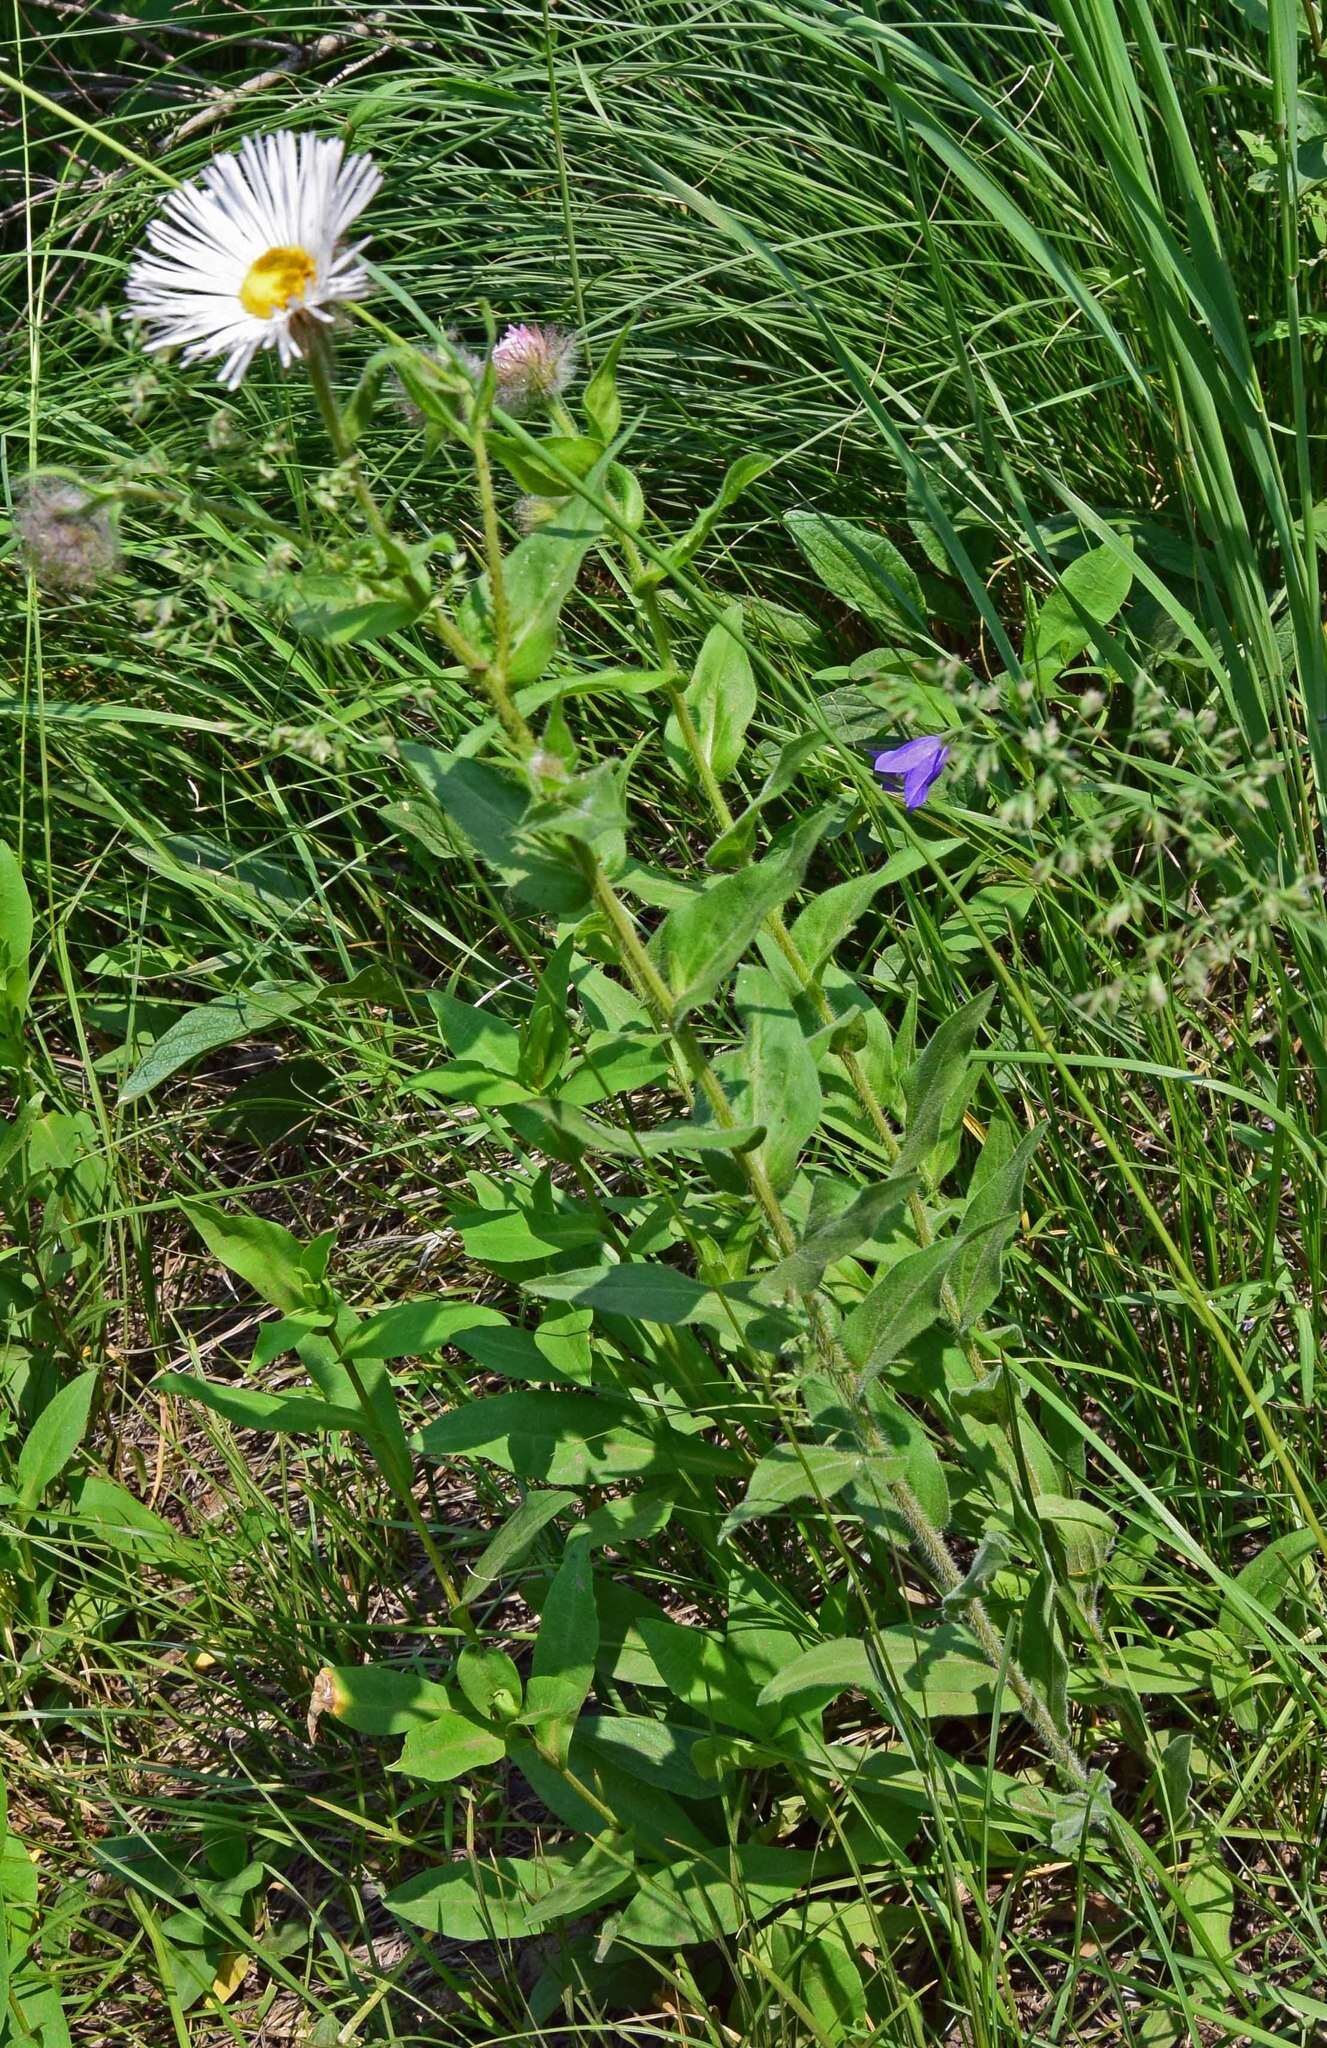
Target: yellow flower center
point(278, 276)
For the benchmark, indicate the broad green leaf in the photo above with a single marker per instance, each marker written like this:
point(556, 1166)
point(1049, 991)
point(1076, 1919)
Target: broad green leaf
point(794, 1472)
point(513, 1539)
point(1208, 1891)
point(1089, 594)
point(861, 568)
point(476, 1033)
point(1083, 1534)
point(631, 1519)
point(251, 1408)
point(491, 1683)
point(700, 943)
point(839, 1236)
point(830, 916)
point(275, 1264)
point(704, 1672)
point(699, 1899)
point(937, 1086)
point(345, 610)
point(448, 1746)
point(538, 577)
point(569, 1439)
point(989, 1221)
point(642, 1289)
point(600, 401)
point(936, 1672)
point(780, 1081)
point(487, 807)
point(656, 1752)
point(533, 467)
point(1279, 1570)
point(562, 1667)
point(481, 1901)
point(591, 1134)
point(15, 934)
point(52, 1441)
point(721, 698)
point(121, 1522)
point(417, 1329)
point(211, 1026)
point(378, 1699)
point(898, 1308)
point(546, 1033)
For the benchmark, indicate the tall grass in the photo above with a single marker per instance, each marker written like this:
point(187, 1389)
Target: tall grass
point(1005, 284)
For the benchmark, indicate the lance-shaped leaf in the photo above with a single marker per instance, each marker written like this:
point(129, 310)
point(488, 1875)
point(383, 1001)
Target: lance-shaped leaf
point(939, 1077)
point(989, 1221)
point(538, 576)
point(861, 568)
point(721, 699)
point(700, 942)
point(795, 1472)
point(488, 808)
point(839, 1236)
point(564, 1122)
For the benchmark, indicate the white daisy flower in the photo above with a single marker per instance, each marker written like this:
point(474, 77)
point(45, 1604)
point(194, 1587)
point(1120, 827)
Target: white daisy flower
point(251, 253)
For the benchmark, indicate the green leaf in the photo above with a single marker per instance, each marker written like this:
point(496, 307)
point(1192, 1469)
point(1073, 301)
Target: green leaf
point(569, 1439)
point(448, 1746)
point(861, 568)
point(379, 1699)
point(989, 1221)
point(600, 403)
point(251, 1408)
point(705, 1673)
point(562, 1667)
point(1083, 1535)
point(937, 1086)
point(828, 919)
point(475, 1033)
point(591, 1134)
point(15, 934)
point(936, 1672)
point(780, 1082)
point(478, 1901)
point(1208, 1890)
point(513, 1539)
point(721, 698)
point(638, 1288)
point(417, 1329)
point(345, 610)
point(211, 1026)
point(275, 1264)
point(531, 466)
point(898, 1309)
point(52, 1441)
point(487, 807)
point(490, 1681)
point(700, 943)
point(546, 1034)
point(793, 1472)
point(740, 476)
point(538, 577)
point(699, 1898)
point(840, 1235)
point(1280, 1569)
point(1089, 594)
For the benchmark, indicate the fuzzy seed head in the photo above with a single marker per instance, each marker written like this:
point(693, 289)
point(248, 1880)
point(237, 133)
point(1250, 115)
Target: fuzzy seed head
point(67, 539)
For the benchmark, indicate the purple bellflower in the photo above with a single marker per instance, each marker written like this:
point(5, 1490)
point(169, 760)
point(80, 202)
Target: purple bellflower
point(917, 763)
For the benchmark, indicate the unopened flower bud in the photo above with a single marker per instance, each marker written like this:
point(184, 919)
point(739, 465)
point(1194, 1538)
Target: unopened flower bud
point(532, 365)
point(67, 538)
